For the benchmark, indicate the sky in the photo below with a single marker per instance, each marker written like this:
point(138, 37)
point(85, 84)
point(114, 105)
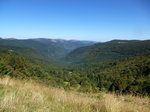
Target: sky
point(97, 20)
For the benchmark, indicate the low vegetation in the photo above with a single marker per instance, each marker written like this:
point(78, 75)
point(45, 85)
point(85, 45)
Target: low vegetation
point(30, 96)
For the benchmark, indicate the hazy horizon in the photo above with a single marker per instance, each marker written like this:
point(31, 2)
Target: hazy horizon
point(94, 20)
point(73, 39)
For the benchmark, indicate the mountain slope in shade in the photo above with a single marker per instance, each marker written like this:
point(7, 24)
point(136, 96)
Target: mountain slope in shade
point(26, 52)
point(102, 52)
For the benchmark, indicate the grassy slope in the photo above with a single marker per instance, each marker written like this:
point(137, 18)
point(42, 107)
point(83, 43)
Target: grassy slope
point(27, 96)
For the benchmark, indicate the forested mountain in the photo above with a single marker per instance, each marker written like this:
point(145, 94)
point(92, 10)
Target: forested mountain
point(53, 48)
point(112, 50)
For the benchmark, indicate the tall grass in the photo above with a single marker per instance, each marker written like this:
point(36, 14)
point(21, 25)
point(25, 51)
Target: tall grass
point(29, 96)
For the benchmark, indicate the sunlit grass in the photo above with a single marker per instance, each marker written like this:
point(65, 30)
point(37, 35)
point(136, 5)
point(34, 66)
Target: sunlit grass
point(29, 96)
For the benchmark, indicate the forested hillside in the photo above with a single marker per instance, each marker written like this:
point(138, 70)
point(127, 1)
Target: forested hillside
point(112, 50)
point(129, 75)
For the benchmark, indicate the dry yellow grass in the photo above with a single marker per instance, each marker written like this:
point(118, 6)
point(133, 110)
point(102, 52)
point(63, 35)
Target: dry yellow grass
point(29, 96)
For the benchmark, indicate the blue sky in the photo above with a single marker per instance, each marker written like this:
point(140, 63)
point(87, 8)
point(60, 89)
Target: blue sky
point(98, 20)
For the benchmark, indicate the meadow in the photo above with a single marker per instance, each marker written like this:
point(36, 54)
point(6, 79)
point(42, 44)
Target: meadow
point(30, 96)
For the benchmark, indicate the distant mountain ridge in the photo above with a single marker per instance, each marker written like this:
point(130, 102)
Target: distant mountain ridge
point(75, 51)
point(53, 48)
